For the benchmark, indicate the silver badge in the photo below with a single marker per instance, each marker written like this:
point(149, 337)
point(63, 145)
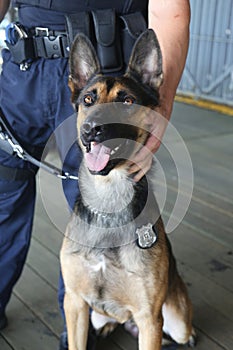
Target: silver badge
point(146, 236)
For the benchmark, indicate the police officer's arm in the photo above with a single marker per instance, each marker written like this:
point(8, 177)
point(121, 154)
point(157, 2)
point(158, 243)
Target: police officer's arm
point(4, 5)
point(170, 20)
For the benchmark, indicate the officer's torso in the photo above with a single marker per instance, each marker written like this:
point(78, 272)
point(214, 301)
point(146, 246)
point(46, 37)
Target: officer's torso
point(50, 13)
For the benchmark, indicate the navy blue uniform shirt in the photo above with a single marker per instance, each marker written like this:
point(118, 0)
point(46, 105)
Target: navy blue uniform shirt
point(32, 16)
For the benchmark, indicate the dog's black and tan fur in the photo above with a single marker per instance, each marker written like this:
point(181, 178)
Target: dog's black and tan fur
point(102, 265)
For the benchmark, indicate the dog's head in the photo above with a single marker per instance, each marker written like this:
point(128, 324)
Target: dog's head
point(112, 125)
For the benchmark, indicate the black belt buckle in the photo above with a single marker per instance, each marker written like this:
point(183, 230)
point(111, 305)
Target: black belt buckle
point(49, 43)
point(53, 46)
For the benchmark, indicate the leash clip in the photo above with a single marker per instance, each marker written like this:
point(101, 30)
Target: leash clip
point(65, 176)
point(16, 148)
point(60, 176)
point(68, 176)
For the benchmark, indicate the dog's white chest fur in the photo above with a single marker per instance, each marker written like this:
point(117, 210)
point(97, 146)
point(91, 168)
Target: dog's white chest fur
point(99, 266)
point(107, 194)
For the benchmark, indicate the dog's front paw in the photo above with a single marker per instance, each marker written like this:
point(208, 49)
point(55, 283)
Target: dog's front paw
point(103, 325)
point(192, 342)
point(131, 327)
point(107, 329)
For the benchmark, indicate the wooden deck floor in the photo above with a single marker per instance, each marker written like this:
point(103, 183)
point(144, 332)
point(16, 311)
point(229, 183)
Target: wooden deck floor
point(203, 245)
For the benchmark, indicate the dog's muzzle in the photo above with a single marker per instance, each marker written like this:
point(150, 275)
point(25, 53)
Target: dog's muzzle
point(107, 144)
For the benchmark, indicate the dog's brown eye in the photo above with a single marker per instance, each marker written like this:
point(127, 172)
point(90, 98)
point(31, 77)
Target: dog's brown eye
point(88, 100)
point(128, 100)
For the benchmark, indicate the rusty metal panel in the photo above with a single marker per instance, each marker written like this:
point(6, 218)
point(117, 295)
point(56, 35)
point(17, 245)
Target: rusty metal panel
point(208, 72)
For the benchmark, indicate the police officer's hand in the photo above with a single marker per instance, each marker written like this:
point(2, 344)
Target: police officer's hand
point(142, 161)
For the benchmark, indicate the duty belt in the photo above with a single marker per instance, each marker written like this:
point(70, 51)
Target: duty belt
point(112, 35)
point(27, 45)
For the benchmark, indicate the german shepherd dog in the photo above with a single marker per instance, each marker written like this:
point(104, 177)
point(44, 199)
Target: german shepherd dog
point(116, 258)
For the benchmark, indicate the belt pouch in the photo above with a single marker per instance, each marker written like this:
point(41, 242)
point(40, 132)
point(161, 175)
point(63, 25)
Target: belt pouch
point(108, 44)
point(77, 23)
point(133, 25)
point(22, 50)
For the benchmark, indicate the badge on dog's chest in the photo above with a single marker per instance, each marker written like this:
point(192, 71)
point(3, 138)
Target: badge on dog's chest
point(147, 236)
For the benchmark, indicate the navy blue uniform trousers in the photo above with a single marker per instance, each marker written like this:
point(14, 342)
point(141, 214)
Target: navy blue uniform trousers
point(35, 102)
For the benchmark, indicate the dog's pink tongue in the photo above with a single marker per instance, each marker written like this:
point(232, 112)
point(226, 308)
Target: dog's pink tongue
point(98, 157)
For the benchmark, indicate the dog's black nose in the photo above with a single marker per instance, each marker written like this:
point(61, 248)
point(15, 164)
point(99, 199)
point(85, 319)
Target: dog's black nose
point(91, 130)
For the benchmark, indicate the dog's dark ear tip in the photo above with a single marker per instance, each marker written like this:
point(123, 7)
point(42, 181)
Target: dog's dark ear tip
point(83, 61)
point(80, 38)
point(80, 46)
point(149, 34)
point(146, 60)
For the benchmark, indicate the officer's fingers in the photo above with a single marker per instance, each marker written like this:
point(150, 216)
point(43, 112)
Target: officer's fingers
point(140, 168)
point(153, 143)
point(141, 155)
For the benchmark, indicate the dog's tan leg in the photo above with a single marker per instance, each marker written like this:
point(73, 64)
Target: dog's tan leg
point(77, 320)
point(150, 331)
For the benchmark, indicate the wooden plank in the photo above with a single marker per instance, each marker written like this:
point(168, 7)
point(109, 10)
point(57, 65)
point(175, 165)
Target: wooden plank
point(39, 297)
point(213, 324)
point(213, 213)
point(217, 147)
point(107, 344)
point(194, 122)
point(217, 177)
point(3, 344)
point(53, 201)
point(206, 202)
point(212, 155)
point(207, 172)
point(25, 330)
point(191, 248)
point(214, 151)
point(210, 196)
point(51, 212)
point(212, 306)
point(44, 231)
point(203, 224)
point(39, 259)
point(124, 339)
point(205, 343)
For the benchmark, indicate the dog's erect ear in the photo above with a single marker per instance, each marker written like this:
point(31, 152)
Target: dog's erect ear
point(83, 62)
point(145, 64)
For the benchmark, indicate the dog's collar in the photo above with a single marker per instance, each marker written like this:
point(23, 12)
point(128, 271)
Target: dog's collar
point(147, 236)
point(99, 217)
point(123, 216)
